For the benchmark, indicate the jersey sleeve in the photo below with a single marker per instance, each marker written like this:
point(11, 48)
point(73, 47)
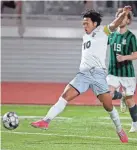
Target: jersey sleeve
point(134, 44)
point(107, 30)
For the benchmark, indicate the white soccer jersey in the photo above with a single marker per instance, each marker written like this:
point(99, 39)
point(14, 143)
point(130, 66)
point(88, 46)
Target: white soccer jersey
point(94, 49)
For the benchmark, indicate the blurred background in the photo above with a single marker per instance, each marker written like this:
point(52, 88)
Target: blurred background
point(41, 47)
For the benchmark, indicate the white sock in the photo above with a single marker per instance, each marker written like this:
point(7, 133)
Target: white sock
point(134, 124)
point(116, 120)
point(56, 109)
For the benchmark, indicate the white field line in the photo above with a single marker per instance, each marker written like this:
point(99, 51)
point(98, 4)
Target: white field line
point(64, 135)
point(68, 118)
point(86, 129)
point(107, 123)
point(108, 118)
point(38, 117)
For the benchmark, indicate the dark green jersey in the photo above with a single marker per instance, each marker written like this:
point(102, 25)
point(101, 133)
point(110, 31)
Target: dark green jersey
point(123, 44)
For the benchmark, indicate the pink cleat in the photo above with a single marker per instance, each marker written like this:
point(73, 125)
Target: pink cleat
point(40, 124)
point(123, 137)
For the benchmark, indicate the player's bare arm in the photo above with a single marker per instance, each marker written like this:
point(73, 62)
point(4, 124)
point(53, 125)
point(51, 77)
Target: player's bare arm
point(121, 58)
point(119, 19)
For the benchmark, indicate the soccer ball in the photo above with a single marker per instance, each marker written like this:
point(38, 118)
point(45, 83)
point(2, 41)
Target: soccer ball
point(10, 120)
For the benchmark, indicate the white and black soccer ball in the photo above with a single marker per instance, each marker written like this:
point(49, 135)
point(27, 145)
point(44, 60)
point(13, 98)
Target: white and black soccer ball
point(10, 120)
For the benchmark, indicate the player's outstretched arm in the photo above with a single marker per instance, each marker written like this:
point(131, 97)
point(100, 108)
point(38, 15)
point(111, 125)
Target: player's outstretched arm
point(119, 19)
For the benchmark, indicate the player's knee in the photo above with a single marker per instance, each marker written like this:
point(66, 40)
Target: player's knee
point(129, 101)
point(70, 94)
point(106, 100)
point(117, 95)
point(108, 107)
point(65, 96)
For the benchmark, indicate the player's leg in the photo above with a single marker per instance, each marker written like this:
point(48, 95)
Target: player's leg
point(133, 112)
point(114, 85)
point(73, 89)
point(101, 89)
point(69, 94)
point(107, 104)
point(130, 86)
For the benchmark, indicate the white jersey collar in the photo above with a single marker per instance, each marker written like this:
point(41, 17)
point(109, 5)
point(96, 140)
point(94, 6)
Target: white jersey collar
point(93, 33)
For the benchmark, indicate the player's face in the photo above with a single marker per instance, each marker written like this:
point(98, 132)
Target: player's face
point(125, 22)
point(88, 25)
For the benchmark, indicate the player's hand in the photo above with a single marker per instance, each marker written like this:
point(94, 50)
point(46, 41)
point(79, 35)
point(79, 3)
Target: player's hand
point(120, 58)
point(127, 9)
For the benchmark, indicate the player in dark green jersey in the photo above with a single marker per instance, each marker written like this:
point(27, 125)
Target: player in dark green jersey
point(123, 49)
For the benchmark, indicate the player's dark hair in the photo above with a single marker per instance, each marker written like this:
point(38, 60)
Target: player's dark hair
point(93, 15)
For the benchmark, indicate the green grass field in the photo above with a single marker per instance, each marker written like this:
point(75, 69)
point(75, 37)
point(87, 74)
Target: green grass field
point(77, 128)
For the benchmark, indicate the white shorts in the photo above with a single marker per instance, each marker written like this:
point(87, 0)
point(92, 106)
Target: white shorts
point(94, 79)
point(128, 83)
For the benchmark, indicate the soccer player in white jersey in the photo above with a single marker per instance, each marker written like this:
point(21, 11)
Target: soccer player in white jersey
point(92, 72)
